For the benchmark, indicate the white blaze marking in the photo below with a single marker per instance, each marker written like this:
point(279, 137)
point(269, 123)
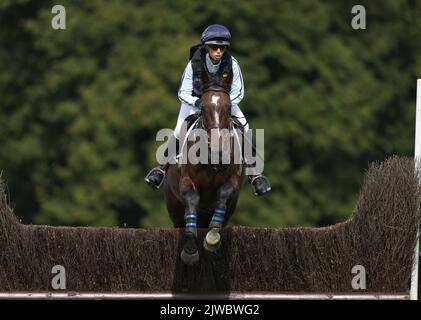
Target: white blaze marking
point(216, 115)
point(215, 99)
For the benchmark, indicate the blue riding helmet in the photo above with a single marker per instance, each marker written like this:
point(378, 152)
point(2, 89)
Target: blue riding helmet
point(216, 34)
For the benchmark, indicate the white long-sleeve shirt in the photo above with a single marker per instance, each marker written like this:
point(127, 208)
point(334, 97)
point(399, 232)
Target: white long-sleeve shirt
point(186, 89)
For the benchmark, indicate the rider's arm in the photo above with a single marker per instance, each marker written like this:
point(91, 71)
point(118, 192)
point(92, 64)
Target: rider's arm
point(237, 87)
point(186, 88)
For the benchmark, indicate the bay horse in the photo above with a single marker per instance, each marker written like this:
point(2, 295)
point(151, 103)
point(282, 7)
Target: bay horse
point(205, 195)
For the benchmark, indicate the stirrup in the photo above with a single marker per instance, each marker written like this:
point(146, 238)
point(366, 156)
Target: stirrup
point(254, 189)
point(151, 183)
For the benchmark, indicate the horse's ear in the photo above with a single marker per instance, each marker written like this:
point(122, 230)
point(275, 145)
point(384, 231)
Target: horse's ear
point(194, 49)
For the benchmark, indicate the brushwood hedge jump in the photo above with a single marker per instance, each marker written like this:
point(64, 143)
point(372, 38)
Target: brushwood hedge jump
point(380, 236)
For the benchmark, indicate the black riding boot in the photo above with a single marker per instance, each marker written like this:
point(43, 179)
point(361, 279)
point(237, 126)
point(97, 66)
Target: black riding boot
point(156, 176)
point(258, 182)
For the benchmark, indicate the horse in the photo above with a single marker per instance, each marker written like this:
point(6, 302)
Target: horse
point(205, 195)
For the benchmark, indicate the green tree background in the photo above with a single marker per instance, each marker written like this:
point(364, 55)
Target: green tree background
point(80, 108)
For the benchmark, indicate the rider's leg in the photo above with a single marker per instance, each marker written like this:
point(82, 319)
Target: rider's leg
point(259, 183)
point(156, 176)
point(236, 112)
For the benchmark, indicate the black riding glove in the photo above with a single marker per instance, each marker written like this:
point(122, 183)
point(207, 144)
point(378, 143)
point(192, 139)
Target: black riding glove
point(198, 103)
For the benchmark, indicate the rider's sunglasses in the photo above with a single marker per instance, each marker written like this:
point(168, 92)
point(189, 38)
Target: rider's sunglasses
point(216, 47)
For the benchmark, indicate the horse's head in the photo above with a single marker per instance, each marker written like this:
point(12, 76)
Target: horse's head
point(216, 111)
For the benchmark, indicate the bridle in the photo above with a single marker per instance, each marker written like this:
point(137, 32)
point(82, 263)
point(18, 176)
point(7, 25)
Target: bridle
point(201, 124)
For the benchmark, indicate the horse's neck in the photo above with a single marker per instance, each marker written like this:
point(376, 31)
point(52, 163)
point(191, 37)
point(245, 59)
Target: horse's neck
point(216, 89)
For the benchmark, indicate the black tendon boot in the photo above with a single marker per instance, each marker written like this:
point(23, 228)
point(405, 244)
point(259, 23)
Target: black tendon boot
point(156, 176)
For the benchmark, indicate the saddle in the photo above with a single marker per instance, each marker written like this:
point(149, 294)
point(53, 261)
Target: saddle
point(191, 119)
point(192, 123)
point(237, 124)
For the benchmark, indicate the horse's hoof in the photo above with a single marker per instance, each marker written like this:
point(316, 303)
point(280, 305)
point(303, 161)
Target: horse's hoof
point(212, 241)
point(211, 248)
point(190, 258)
point(190, 254)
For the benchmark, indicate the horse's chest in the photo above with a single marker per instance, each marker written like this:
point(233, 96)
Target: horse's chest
point(210, 180)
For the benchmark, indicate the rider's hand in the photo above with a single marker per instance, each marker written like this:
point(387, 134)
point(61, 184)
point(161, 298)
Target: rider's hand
point(198, 103)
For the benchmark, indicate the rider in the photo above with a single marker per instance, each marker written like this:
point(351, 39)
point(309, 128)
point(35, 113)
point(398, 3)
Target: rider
point(219, 64)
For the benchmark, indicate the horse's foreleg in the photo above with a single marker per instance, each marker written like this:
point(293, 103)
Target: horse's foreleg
point(190, 254)
point(213, 237)
point(223, 195)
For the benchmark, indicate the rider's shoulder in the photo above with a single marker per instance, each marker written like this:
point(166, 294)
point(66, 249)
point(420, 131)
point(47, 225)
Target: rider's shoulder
point(235, 63)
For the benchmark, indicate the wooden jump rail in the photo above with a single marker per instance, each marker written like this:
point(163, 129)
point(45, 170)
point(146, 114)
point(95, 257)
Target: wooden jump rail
point(186, 296)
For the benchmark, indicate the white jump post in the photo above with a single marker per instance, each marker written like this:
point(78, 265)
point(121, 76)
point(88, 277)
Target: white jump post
point(414, 275)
